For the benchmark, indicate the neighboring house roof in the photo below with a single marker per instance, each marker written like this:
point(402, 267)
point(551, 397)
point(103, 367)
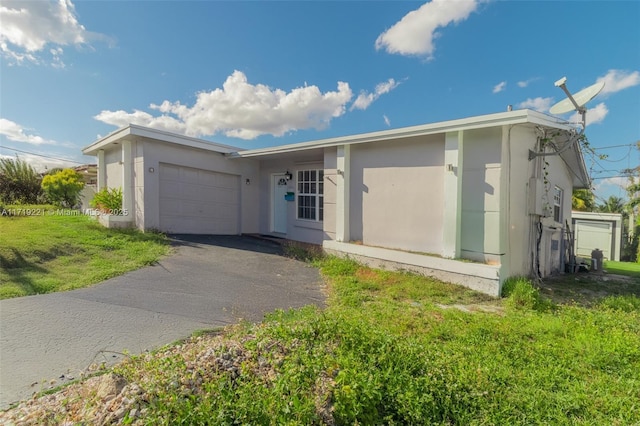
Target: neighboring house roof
point(572, 157)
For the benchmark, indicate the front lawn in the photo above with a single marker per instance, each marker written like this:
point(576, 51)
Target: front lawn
point(51, 251)
point(390, 348)
point(630, 269)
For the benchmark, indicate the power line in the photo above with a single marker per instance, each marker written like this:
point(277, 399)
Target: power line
point(613, 146)
point(40, 155)
point(607, 177)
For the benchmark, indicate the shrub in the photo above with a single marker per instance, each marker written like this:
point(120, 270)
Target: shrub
point(19, 182)
point(107, 200)
point(63, 188)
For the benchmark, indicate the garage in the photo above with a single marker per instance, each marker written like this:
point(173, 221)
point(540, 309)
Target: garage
point(595, 230)
point(197, 201)
point(592, 235)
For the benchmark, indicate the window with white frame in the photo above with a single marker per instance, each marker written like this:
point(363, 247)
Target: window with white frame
point(310, 194)
point(557, 204)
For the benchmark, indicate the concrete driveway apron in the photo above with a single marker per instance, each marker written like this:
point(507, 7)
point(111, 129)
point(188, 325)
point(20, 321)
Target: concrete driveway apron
point(209, 281)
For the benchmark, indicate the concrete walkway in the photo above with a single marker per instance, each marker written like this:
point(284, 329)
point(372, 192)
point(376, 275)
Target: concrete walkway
point(208, 282)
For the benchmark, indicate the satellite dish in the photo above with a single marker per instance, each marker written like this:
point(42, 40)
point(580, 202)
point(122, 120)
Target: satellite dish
point(572, 103)
point(577, 101)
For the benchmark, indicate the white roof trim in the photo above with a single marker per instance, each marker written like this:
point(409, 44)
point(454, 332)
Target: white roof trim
point(478, 122)
point(596, 216)
point(133, 130)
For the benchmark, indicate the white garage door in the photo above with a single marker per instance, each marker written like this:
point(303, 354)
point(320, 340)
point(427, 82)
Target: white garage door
point(592, 235)
point(196, 201)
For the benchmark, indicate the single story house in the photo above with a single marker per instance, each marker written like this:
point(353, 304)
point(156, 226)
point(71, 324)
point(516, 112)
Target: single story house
point(472, 201)
point(594, 230)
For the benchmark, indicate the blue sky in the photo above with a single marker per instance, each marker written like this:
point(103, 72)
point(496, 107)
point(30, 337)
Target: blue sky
point(256, 74)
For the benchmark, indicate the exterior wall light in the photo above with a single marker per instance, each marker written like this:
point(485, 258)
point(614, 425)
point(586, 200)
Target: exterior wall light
point(151, 170)
point(247, 181)
point(288, 175)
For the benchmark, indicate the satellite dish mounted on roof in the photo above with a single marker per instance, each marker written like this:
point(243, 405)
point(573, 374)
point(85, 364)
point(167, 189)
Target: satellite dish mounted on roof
point(572, 103)
point(576, 102)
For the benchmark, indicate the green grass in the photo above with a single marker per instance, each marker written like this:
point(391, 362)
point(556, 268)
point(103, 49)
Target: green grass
point(52, 252)
point(386, 350)
point(622, 268)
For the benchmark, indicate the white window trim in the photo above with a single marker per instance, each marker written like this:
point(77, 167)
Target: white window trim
point(317, 195)
point(557, 202)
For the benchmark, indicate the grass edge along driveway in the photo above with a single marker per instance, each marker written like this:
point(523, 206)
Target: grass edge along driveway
point(52, 252)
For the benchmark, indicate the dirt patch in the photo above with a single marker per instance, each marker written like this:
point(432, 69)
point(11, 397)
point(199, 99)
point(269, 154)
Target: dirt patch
point(587, 289)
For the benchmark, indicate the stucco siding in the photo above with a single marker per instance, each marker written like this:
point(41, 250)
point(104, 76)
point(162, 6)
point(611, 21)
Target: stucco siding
point(480, 223)
point(113, 158)
point(296, 229)
point(552, 253)
point(530, 206)
point(520, 140)
point(330, 187)
point(138, 183)
point(396, 193)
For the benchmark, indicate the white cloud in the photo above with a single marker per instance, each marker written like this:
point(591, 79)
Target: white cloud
point(41, 164)
point(243, 110)
point(595, 115)
point(386, 120)
point(365, 99)
point(525, 83)
point(499, 87)
point(538, 104)
point(15, 132)
point(28, 27)
point(611, 186)
point(122, 118)
point(617, 80)
point(617, 182)
point(415, 33)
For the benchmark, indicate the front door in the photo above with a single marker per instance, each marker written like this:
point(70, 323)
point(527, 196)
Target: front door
point(279, 204)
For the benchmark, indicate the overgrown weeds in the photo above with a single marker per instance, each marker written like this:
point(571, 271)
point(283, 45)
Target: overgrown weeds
point(386, 351)
point(521, 294)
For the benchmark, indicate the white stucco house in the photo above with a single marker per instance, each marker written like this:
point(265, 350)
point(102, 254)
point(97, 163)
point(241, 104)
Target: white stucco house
point(470, 201)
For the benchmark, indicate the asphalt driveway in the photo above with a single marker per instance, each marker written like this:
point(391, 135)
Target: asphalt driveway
point(209, 281)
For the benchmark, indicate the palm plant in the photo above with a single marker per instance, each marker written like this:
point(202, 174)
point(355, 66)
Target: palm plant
point(19, 182)
point(612, 204)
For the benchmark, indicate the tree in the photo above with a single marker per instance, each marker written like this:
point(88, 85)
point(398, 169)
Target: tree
point(632, 248)
point(63, 188)
point(612, 204)
point(582, 200)
point(19, 182)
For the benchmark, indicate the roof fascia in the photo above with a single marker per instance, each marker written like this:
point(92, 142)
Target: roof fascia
point(477, 122)
point(133, 130)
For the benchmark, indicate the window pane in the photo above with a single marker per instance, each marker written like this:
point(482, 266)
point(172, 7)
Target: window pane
point(306, 175)
point(320, 175)
point(300, 175)
point(321, 188)
point(313, 175)
point(313, 188)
